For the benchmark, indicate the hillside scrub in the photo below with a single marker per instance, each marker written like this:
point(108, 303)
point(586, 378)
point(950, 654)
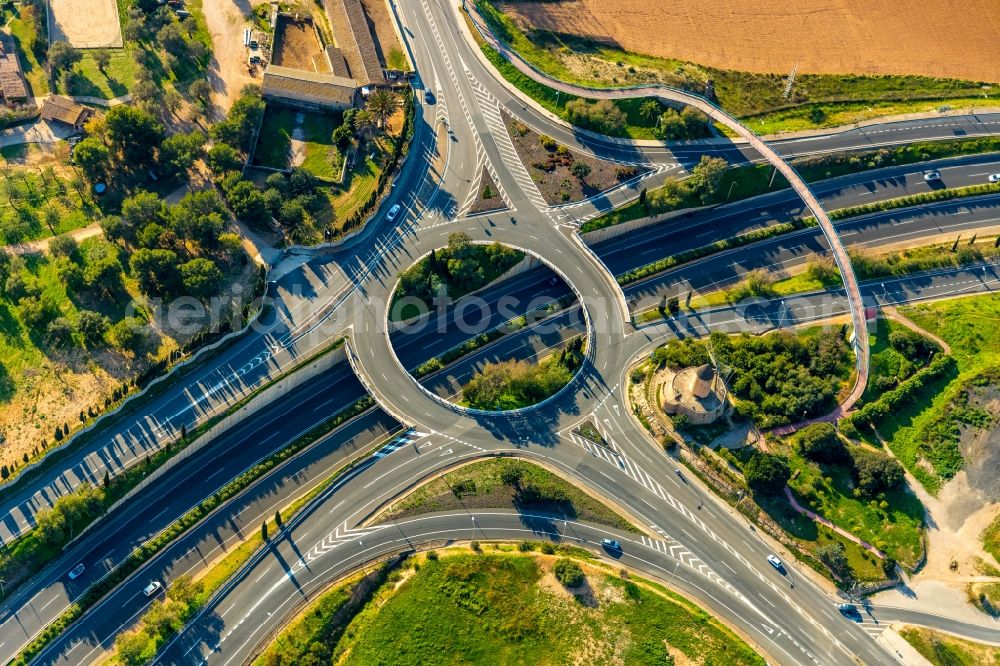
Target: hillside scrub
point(451, 272)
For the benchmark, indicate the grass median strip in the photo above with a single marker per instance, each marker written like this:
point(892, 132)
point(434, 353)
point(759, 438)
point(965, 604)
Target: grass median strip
point(744, 182)
point(181, 525)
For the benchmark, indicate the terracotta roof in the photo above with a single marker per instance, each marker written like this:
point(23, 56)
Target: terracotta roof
point(315, 87)
point(64, 110)
point(337, 63)
point(11, 80)
point(350, 30)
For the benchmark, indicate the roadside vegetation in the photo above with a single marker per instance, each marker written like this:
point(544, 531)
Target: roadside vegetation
point(746, 181)
point(517, 384)
point(816, 101)
point(141, 644)
point(931, 417)
point(499, 605)
point(777, 378)
point(942, 649)
point(505, 483)
point(331, 179)
point(451, 272)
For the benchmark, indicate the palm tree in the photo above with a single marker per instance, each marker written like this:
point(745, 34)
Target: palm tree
point(364, 122)
point(382, 104)
point(649, 110)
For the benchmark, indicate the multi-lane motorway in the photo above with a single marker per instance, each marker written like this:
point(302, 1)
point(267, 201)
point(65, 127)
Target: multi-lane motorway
point(698, 545)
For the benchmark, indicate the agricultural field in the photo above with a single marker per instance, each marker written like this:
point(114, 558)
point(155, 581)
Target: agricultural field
point(499, 605)
point(583, 42)
point(820, 37)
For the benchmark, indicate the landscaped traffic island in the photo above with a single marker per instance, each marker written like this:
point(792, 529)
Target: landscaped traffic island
point(504, 604)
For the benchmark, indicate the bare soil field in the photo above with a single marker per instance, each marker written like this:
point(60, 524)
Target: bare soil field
point(296, 45)
point(227, 72)
point(943, 38)
point(97, 26)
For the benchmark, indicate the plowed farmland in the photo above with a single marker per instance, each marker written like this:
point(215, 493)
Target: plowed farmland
point(941, 38)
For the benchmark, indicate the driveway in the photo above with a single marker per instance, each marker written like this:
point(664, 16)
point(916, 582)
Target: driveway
point(37, 132)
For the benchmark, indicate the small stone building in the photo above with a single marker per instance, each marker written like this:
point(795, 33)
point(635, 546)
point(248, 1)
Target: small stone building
point(64, 110)
point(12, 86)
point(697, 392)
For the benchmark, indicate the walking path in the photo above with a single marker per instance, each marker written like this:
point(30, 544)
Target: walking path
point(892, 313)
point(42, 244)
point(824, 521)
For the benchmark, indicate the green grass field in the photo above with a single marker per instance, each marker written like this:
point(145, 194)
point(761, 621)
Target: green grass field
point(320, 156)
point(21, 24)
point(26, 195)
point(480, 486)
point(969, 325)
point(895, 527)
point(991, 539)
point(506, 608)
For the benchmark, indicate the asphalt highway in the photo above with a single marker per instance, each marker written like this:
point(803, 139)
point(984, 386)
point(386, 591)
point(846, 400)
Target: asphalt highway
point(320, 295)
point(300, 410)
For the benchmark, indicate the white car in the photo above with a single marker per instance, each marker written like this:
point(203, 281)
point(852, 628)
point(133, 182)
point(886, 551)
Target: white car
point(152, 588)
point(932, 176)
point(775, 562)
point(393, 212)
point(995, 177)
point(75, 572)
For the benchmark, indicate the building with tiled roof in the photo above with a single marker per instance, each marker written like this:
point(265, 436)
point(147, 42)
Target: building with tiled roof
point(12, 84)
point(64, 110)
point(354, 38)
point(321, 90)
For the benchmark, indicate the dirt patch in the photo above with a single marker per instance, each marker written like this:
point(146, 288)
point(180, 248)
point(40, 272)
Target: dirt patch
point(563, 176)
point(227, 71)
point(297, 45)
point(380, 24)
point(96, 27)
point(488, 197)
point(772, 36)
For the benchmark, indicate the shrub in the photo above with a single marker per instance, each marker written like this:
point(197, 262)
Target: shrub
point(568, 572)
point(819, 442)
point(766, 473)
point(876, 472)
point(580, 169)
point(833, 555)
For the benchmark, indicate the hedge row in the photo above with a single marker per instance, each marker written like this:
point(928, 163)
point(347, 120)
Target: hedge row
point(903, 394)
point(144, 553)
point(674, 260)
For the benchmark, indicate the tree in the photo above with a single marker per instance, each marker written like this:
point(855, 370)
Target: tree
point(93, 326)
point(364, 122)
point(134, 135)
point(876, 472)
point(382, 103)
point(649, 110)
point(602, 116)
point(707, 175)
point(201, 277)
point(142, 209)
point(93, 158)
point(342, 135)
point(247, 202)
point(820, 442)
point(670, 126)
point(580, 169)
point(833, 555)
point(59, 332)
point(511, 474)
point(62, 56)
point(131, 647)
point(568, 572)
point(201, 91)
point(179, 152)
point(102, 58)
point(129, 334)
point(156, 271)
point(766, 473)
point(223, 158)
point(64, 246)
point(695, 122)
